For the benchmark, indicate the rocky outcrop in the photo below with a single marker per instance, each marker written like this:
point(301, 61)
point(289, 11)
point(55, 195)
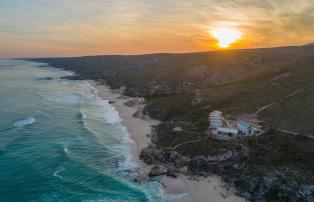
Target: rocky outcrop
point(135, 102)
point(158, 170)
point(138, 114)
point(220, 157)
point(159, 89)
point(274, 185)
point(162, 170)
point(153, 156)
point(197, 99)
point(133, 91)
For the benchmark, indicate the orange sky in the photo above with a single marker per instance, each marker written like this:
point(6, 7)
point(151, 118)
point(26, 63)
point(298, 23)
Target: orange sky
point(40, 28)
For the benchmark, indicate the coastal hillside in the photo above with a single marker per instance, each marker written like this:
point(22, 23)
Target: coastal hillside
point(274, 84)
point(234, 81)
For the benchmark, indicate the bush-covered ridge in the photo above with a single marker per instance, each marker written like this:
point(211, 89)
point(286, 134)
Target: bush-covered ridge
point(182, 89)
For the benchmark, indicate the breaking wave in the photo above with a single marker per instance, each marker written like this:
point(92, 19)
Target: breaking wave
point(80, 151)
point(175, 197)
point(24, 122)
point(72, 99)
point(65, 149)
point(58, 171)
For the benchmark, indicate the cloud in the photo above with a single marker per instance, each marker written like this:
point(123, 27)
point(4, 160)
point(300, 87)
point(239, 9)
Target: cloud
point(140, 26)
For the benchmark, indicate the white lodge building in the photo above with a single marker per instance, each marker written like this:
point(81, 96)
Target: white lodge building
point(245, 124)
point(219, 125)
point(227, 131)
point(215, 119)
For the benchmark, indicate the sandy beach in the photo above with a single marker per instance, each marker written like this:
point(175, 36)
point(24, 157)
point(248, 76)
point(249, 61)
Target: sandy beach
point(182, 188)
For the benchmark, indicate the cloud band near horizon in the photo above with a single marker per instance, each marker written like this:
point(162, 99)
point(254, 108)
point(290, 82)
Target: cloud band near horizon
point(77, 27)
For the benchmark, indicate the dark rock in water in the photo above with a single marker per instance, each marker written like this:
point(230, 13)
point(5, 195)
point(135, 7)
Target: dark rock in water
point(111, 102)
point(44, 78)
point(43, 66)
point(74, 77)
point(80, 116)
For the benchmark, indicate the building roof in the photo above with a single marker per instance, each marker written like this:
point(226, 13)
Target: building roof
point(216, 112)
point(244, 123)
point(248, 124)
point(248, 120)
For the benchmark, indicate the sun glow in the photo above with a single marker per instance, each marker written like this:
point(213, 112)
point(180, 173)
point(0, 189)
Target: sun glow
point(226, 36)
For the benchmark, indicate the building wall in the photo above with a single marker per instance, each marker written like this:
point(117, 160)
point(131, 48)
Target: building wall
point(247, 129)
point(244, 128)
point(215, 119)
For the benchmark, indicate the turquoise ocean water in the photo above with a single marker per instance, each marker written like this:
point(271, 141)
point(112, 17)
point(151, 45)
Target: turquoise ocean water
point(60, 142)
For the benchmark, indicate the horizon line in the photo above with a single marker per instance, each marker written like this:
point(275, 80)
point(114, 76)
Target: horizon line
point(160, 53)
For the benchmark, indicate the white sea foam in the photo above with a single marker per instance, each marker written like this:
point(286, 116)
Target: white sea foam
point(72, 99)
point(25, 122)
point(111, 116)
point(81, 116)
point(58, 171)
point(65, 149)
point(175, 197)
point(155, 192)
point(84, 116)
point(127, 167)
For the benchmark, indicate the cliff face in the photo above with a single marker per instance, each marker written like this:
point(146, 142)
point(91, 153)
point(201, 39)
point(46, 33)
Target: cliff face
point(182, 89)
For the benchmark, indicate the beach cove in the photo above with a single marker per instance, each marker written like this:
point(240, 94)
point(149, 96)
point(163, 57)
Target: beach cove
point(183, 188)
point(84, 140)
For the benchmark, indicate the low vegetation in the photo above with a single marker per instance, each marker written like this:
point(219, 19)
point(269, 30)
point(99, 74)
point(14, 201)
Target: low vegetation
point(182, 89)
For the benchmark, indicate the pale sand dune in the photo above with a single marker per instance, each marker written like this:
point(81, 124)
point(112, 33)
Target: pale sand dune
point(179, 189)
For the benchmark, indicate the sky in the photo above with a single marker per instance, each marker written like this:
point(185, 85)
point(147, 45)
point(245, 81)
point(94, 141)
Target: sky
point(40, 28)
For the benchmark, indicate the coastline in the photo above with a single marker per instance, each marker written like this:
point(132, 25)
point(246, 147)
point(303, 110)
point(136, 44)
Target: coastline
point(181, 188)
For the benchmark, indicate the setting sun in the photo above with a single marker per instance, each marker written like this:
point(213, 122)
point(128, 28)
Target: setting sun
point(226, 36)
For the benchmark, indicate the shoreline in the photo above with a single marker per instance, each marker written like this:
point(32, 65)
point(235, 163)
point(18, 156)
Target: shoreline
point(181, 188)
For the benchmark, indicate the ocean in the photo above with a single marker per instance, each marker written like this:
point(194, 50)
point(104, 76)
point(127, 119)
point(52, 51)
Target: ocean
point(60, 142)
